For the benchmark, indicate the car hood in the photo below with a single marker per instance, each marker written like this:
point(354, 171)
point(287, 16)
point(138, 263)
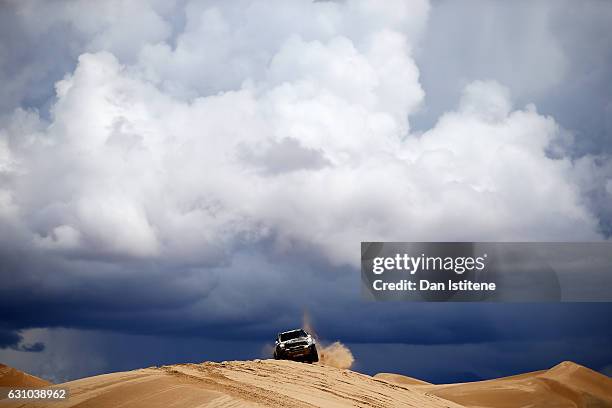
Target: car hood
point(295, 340)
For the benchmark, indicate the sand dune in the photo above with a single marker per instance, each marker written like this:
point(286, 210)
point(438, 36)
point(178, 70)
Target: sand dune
point(270, 383)
point(400, 379)
point(11, 377)
point(565, 385)
point(259, 383)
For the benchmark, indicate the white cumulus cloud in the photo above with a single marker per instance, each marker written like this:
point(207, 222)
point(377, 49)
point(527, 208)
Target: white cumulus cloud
point(288, 123)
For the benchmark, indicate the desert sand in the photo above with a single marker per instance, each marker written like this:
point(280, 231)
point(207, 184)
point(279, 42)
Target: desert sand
point(270, 383)
point(259, 383)
point(565, 385)
point(400, 379)
point(11, 377)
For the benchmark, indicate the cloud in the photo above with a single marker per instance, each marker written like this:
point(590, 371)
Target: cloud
point(125, 170)
point(128, 169)
point(14, 340)
point(223, 161)
point(9, 338)
point(534, 50)
point(471, 362)
point(283, 156)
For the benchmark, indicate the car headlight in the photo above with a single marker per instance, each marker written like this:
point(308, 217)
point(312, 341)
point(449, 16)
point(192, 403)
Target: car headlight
point(282, 345)
point(310, 340)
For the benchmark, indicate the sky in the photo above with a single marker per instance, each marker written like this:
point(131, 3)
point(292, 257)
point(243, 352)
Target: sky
point(180, 180)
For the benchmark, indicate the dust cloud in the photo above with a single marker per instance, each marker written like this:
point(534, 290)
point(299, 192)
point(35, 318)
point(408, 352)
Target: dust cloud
point(335, 354)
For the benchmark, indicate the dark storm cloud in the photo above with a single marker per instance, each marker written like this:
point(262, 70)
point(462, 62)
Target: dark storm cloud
point(174, 179)
point(13, 340)
point(459, 363)
point(8, 338)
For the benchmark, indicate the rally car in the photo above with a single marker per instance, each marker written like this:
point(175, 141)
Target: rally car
point(297, 345)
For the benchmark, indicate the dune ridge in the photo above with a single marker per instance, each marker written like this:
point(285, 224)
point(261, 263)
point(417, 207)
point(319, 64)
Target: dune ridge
point(400, 379)
point(258, 383)
point(272, 383)
point(11, 377)
point(565, 385)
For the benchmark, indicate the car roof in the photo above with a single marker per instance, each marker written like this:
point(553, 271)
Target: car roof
point(289, 331)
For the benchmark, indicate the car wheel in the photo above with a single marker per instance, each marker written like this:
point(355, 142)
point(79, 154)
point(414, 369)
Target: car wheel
point(314, 355)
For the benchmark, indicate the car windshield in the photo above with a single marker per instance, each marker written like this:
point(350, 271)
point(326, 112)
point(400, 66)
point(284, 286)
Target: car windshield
point(292, 335)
